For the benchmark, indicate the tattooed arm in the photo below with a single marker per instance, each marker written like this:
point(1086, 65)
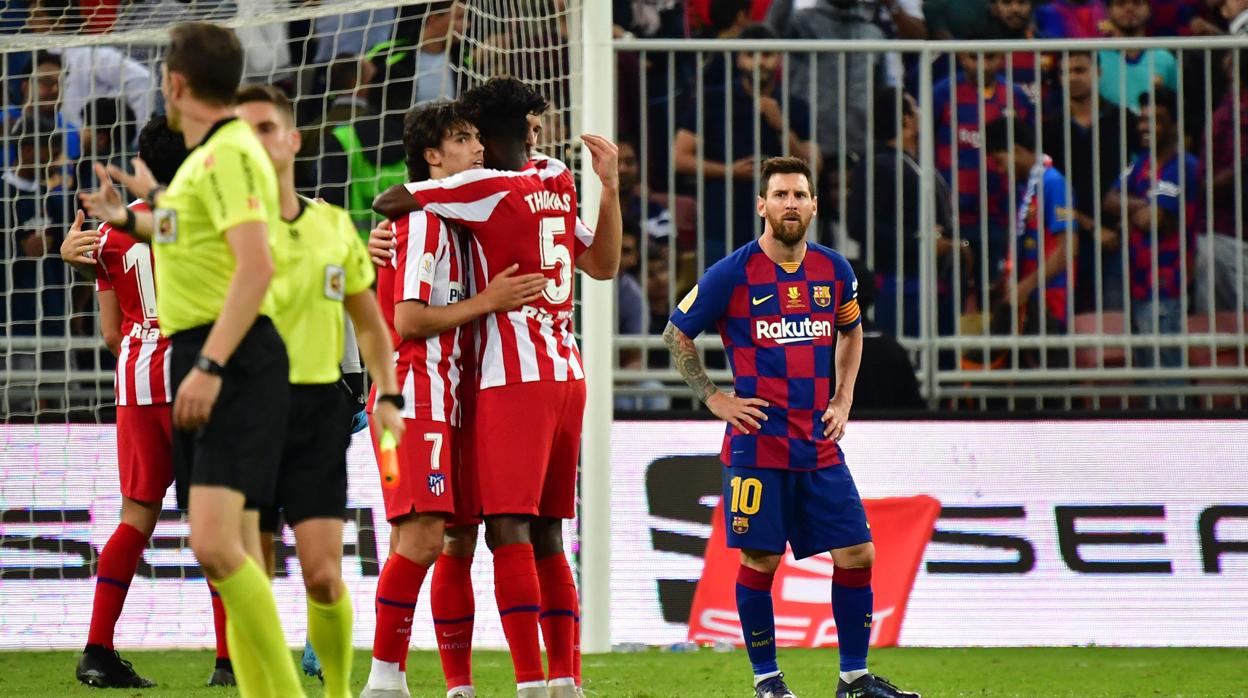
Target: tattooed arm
point(742, 413)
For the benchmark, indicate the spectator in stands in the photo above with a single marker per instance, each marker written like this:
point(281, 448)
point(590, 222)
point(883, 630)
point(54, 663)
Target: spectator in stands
point(632, 314)
point(1013, 20)
point(1218, 259)
point(41, 101)
point(656, 219)
point(35, 208)
point(1143, 67)
point(722, 19)
point(874, 202)
point(955, 19)
point(1043, 230)
point(728, 158)
point(832, 19)
point(352, 33)
point(886, 379)
point(1094, 151)
point(1071, 19)
point(108, 132)
point(1164, 191)
point(364, 157)
point(347, 99)
point(427, 32)
point(979, 84)
point(90, 72)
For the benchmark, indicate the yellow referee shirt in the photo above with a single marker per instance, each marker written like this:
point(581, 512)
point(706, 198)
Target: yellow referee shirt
point(322, 261)
point(226, 180)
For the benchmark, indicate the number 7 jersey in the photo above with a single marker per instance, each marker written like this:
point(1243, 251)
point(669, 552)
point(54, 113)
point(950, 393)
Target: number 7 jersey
point(124, 265)
point(527, 218)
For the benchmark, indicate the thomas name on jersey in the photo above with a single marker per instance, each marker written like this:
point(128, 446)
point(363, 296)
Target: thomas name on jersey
point(541, 201)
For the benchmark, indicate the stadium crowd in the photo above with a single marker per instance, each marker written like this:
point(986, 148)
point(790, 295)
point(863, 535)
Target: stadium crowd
point(1081, 117)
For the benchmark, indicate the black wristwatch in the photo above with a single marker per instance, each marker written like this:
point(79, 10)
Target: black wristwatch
point(394, 399)
point(209, 366)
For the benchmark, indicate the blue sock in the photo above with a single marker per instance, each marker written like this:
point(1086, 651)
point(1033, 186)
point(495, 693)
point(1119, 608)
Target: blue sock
point(758, 621)
point(852, 602)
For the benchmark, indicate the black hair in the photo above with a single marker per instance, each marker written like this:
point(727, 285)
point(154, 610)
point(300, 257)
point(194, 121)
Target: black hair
point(783, 165)
point(110, 114)
point(1163, 97)
point(997, 135)
point(500, 108)
point(426, 127)
point(162, 148)
point(210, 57)
point(887, 121)
point(724, 13)
point(43, 58)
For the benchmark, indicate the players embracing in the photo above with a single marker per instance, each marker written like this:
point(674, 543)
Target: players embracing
point(523, 214)
point(787, 311)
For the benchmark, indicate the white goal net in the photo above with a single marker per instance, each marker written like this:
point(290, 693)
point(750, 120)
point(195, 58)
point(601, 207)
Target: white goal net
point(79, 79)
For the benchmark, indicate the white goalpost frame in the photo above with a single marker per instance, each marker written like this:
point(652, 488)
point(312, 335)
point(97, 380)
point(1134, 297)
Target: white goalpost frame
point(597, 113)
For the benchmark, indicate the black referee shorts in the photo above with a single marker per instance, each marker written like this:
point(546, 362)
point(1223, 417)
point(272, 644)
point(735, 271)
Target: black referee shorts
point(312, 482)
point(241, 445)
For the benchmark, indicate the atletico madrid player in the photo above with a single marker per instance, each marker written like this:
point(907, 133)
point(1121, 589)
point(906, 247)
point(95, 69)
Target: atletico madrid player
point(784, 308)
point(125, 287)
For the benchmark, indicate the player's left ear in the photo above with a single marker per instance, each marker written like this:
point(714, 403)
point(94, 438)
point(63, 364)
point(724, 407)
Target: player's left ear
point(761, 207)
point(296, 139)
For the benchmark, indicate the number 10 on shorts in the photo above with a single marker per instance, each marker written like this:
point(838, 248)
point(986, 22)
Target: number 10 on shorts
point(747, 495)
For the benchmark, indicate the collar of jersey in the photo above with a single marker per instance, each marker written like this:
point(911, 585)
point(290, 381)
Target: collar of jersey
point(215, 127)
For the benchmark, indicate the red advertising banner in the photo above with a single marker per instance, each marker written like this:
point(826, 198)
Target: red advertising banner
point(802, 592)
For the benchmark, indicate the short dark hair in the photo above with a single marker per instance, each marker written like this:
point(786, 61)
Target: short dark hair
point(500, 107)
point(209, 57)
point(44, 58)
point(783, 165)
point(887, 123)
point(1163, 97)
point(723, 13)
point(162, 148)
point(997, 135)
point(39, 135)
point(425, 127)
point(110, 114)
point(268, 94)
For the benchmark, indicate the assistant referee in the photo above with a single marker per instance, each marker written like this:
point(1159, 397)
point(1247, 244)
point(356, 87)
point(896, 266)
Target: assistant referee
point(213, 230)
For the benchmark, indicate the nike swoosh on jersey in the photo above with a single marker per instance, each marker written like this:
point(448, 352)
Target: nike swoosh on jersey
point(764, 299)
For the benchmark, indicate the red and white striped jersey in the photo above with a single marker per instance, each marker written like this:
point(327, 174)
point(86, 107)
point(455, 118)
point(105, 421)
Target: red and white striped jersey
point(515, 218)
point(430, 266)
point(125, 265)
point(557, 177)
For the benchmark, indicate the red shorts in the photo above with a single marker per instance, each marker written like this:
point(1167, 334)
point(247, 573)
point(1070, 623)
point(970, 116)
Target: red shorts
point(145, 451)
point(427, 457)
point(528, 441)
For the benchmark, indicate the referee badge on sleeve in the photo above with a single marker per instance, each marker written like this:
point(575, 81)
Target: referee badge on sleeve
point(165, 226)
point(335, 282)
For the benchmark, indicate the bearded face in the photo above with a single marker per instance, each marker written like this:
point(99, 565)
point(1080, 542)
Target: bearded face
point(788, 207)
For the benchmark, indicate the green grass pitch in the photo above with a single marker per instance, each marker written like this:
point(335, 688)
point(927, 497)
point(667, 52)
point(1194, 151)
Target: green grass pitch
point(1073, 672)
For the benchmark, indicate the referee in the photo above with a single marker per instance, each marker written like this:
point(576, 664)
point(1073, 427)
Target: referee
point(213, 229)
point(332, 271)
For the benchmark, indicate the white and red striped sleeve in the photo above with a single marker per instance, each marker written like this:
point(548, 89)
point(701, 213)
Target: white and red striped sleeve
point(420, 240)
point(557, 178)
point(468, 198)
point(103, 282)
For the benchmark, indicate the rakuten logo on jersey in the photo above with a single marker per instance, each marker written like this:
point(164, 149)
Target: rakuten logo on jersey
point(791, 331)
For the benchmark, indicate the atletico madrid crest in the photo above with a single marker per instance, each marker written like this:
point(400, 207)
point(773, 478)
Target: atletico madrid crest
point(740, 525)
point(437, 484)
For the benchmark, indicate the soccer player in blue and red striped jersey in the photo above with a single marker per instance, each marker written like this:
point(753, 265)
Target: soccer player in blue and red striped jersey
point(787, 310)
point(959, 135)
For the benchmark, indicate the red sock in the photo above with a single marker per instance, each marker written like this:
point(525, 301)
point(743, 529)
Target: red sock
point(397, 591)
point(118, 560)
point(218, 623)
point(559, 612)
point(519, 599)
point(453, 610)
